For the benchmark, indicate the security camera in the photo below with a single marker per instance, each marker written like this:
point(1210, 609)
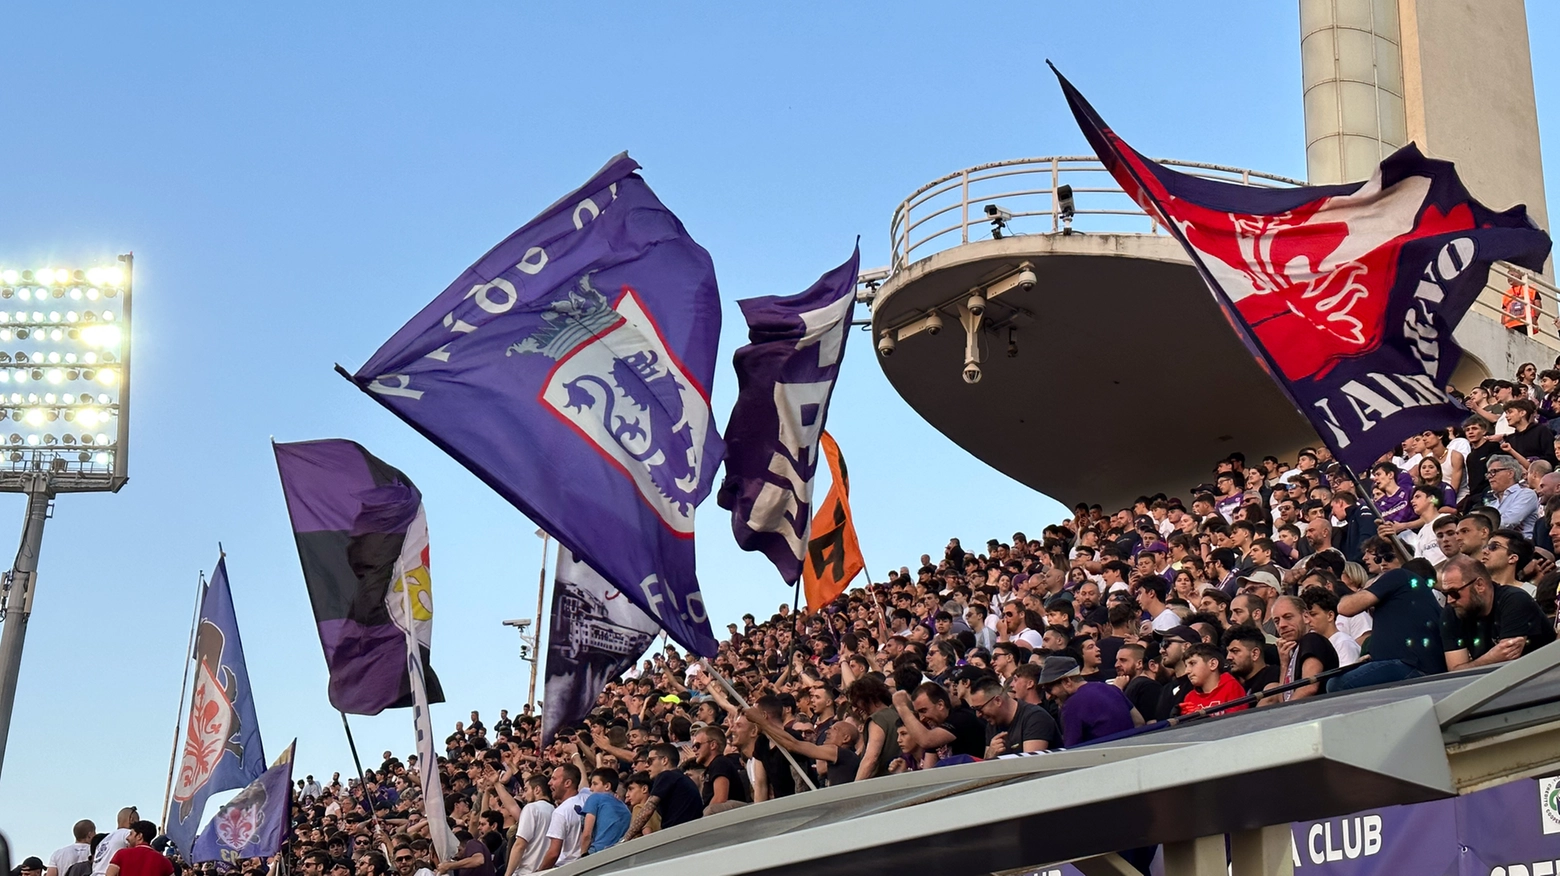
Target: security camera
point(977, 303)
point(971, 372)
point(886, 344)
point(934, 323)
point(998, 214)
point(1026, 276)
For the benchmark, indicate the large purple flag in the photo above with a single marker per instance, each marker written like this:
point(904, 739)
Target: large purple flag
point(363, 542)
point(785, 377)
point(1347, 294)
point(570, 370)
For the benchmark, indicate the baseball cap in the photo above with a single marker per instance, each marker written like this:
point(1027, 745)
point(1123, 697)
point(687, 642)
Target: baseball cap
point(32, 862)
point(1180, 633)
point(1266, 579)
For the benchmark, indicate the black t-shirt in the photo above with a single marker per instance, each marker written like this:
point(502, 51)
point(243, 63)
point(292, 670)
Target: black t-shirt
point(1513, 613)
point(1144, 693)
point(1263, 677)
point(1406, 622)
point(844, 767)
point(1029, 722)
point(1534, 442)
point(1314, 645)
point(726, 767)
point(1170, 699)
point(782, 780)
point(679, 798)
point(1474, 466)
point(1109, 646)
point(969, 732)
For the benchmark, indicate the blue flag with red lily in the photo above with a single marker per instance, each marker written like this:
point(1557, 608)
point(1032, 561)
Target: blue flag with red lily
point(1346, 294)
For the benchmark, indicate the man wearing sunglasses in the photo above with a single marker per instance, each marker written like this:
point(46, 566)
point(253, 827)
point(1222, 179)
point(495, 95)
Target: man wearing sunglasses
point(1485, 623)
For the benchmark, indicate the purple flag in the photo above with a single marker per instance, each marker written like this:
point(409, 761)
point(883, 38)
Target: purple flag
point(570, 370)
point(1346, 294)
point(595, 635)
point(254, 823)
point(363, 542)
point(785, 377)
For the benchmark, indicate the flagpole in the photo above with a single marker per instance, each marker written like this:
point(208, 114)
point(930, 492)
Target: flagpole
point(536, 639)
point(373, 812)
point(744, 704)
point(184, 686)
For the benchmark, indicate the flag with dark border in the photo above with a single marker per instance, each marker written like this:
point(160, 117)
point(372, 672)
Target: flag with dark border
point(1346, 294)
point(356, 521)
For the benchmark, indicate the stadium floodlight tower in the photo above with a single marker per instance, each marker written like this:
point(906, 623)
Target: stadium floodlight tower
point(64, 415)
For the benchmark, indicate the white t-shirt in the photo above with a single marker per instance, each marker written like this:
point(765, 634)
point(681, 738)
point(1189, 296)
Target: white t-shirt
point(116, 840)
point(1166, 620)
point(1348, 649)
point(74, 853)
point(1355, 626)
point(1029, 637)
point(567, 824)
point(532, 827)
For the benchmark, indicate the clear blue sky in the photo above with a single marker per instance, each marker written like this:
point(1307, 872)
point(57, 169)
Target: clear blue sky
point(297, 180)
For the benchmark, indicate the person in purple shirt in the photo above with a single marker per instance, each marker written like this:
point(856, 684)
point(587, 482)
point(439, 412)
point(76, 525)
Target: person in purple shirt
point(1090, 709)
point(1392, 500)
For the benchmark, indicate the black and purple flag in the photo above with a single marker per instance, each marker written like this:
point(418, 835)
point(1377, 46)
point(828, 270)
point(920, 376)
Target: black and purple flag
point(222, 747)
point(570, 370)
point(253, 824)
point(785, 377)
point(363, 542)
point(1347, 294)
point(595, 635)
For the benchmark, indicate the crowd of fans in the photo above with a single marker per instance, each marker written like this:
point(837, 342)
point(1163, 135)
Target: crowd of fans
point(1271, 582)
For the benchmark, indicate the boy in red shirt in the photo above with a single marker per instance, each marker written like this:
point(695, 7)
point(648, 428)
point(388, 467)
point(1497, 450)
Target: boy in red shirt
point(138, 858)
point(1211, 685)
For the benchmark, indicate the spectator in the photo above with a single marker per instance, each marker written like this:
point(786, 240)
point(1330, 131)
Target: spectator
point(80, 850)
point(138, 858)
point(1505, 554)
point(1245, 649)
point(1321, 614)
point(871, 697)
point(637, 796)
point(1510, 497)
point(1529, 440)
point(1151, 594)
point(1134, 679)
point(1090, 709)
point(1302, 653)
point(565, 827)
point(1485, 623)
point(117, 839)
point(606, 818)
point(1211, 685)
point(1012, 726)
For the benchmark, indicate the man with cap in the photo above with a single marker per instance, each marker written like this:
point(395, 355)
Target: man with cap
point(32, 865)
point(1264, 585)
point(1173, 643)
point(1090, 709)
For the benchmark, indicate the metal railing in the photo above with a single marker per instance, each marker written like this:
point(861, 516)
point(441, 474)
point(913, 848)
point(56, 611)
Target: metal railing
point(1026, 188)
point(938, 216)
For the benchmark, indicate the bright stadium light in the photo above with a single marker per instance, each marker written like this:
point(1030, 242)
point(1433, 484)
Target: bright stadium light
point(65, 402)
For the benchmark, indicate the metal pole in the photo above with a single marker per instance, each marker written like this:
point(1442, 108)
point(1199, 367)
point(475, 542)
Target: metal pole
point(709, 667)
point(536, 639)
point(19, 590)
point(178, 723)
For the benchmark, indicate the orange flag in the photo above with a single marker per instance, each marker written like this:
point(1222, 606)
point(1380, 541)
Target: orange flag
point(833, 554)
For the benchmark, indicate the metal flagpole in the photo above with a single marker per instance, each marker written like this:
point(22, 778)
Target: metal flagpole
point(536, 638)
point(373, 811)
point(744, 704)
point(16, 600)
point(184, 684)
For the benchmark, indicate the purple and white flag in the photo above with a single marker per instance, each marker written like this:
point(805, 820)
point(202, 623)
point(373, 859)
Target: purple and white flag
point(570, 369)
point(785, 377)
point(253, 824)
point(595, 635)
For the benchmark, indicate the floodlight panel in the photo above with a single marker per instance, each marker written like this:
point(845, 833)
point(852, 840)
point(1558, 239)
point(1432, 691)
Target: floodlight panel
point(64, 377)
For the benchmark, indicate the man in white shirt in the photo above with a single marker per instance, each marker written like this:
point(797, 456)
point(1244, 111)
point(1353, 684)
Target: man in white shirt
point(530, 844)
point(74, 853)
point(1014, 628)
point(568, 822)
point(117, 839)
point(1151, 594)
point(311, 788)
